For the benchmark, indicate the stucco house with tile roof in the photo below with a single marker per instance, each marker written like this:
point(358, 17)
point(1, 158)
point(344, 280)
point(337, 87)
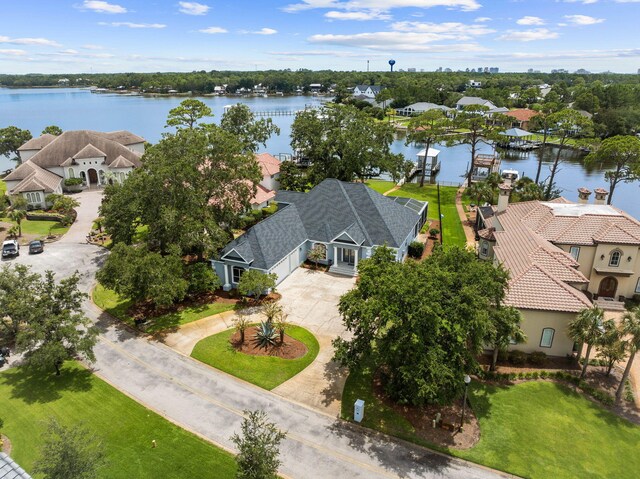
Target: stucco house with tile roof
point(562, 257)
point(95, 157)
point(347, 220)
point(266, 189)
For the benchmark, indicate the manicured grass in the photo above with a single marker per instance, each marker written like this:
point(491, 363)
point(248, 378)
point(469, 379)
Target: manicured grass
point(117, 306)
point(28, 399)
point(453, 233)
point(3, 188)
point(380, 186)
point(534, 429)
point(267, 372)
point(40, 228)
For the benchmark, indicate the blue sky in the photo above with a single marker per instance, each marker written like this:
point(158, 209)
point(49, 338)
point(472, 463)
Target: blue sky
point(133, 35)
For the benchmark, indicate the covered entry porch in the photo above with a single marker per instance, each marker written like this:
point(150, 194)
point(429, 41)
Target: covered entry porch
point(345, 260)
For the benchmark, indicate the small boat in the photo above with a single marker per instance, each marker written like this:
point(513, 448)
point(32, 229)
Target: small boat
point(510, 175)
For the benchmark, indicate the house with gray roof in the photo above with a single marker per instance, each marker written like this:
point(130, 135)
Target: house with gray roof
point(9, 469)
point(474, 100)
point(422, 107)
point(96, 158)
point(369, 91)
point(347, 221)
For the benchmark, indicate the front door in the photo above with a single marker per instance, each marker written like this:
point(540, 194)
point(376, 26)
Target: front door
point(608, 287)
point(348, 256)
point(93, 177)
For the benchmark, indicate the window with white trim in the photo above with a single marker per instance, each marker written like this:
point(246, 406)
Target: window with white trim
point(547, 337)
point(236, 273)
point(71, 173)
point(574, 251)
point(484, 248)
point(638, 286)
point(614, 258)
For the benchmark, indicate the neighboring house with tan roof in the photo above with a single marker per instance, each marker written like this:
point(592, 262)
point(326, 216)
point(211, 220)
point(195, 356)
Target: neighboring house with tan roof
point(561, 256)
point(266, 189)
point(96, 158)
point(521, 117)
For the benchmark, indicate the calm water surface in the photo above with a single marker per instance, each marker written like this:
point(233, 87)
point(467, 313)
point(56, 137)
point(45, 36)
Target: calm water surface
point(73, 109)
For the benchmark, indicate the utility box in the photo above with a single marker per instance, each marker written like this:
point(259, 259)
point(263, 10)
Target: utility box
point(358, 410)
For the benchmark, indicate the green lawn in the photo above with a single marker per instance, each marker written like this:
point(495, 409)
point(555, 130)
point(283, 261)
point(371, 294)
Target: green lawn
point(3, 188)
point(380, 186)
point(453, 233)
point(534, 429)
point(29, 399)
point(267, 372)
point(115, 305)
point(40, 228)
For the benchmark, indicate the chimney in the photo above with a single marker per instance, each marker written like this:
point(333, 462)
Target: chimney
point(583, 195)
point(503, 196)
point(601, 196)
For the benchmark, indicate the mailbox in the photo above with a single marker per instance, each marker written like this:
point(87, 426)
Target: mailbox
point(358, 410)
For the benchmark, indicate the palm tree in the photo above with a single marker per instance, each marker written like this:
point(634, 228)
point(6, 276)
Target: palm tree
point(587, 328)
point(18, 216)
point(480, 192)
point(631, 329)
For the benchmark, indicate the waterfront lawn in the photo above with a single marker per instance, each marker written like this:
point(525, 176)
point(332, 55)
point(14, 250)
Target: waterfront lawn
point(266, 372)
point(117, 306)
point(28, 399)
point(380, 186)
point(3, 188)
point(536, 429)
point(452, 230)
point(39, 227)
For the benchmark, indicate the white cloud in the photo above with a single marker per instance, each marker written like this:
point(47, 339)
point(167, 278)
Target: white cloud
point(193, 8)
point(584, 2)
point(90, 46)
point(133, 25)
point(397, 42)
point(458, 31)
point(265, 31)
point(99, 6)
point(382, 5)
point(30, 41)
point(482, 19)
point(12, 52)
point(357, 16)
point(213, 30)
point(528, 35)
point(330, 53)
point(583, 20)
point(528, 20)
point(69, 51)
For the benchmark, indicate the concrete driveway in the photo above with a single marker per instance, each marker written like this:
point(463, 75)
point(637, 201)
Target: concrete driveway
point(311, 300)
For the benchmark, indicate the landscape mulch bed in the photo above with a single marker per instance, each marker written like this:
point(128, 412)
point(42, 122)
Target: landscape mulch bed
point(431, 241)
point(6, 445)
point(553, 363)
point(421, 418)
point(290, 349)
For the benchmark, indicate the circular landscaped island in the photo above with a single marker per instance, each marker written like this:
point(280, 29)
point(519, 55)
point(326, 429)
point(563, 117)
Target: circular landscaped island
point(265, 364)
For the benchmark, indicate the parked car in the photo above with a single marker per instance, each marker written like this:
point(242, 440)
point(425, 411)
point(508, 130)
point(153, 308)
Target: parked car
point(36, 246)
point(10, 249)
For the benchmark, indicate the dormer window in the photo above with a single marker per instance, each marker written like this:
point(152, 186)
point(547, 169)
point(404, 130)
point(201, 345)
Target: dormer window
point(614, 258)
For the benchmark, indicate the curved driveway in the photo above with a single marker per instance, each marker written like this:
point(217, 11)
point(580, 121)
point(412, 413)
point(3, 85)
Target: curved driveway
point(210, 403)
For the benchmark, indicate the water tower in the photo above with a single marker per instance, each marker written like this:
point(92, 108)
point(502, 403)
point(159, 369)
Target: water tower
point(391, 63)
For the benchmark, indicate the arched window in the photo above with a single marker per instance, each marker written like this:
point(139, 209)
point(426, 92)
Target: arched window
point(83, 175)
point(71, 173)
point(101, 176)
point(546, 341)
point(614, 258)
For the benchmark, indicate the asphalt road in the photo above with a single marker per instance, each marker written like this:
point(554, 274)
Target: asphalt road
point(211, 403)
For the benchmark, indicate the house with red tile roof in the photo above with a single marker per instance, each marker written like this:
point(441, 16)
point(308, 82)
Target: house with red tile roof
point(266, 189)
point(562, 257)
point(521, 117)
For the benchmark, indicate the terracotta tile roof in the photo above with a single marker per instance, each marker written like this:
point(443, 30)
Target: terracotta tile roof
point(262, 195)
point(537, 289)
point(522, 114)
point(33, 178)
point(269, 164)
point(487, 234)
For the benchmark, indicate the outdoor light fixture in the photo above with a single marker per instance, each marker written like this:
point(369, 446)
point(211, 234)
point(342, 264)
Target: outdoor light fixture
point(629, 258)
point(467, 380)
point(601, 256)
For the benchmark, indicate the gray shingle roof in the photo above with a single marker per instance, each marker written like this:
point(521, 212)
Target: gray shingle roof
point(9, 469)
point(331, 208)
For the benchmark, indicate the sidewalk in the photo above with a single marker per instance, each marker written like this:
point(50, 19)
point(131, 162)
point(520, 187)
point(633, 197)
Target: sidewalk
point(468, 230)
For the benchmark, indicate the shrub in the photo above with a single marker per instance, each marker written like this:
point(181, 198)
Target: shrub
point(538, 358)
point(433, 232)
point(518, 358)
point(544, 374)
point(72, 181)
point(256, 214)
point(503, 355)
point(269, 210)
point(256, 283)
point(265, 335)
point(201, 278)
point(416, 248)
point(535, 375)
